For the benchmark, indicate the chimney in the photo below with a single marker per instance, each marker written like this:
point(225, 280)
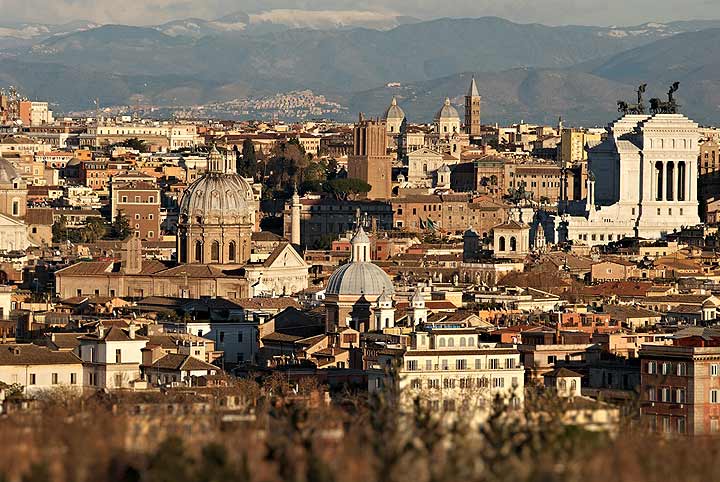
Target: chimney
point(100, 330)
point(132, 330)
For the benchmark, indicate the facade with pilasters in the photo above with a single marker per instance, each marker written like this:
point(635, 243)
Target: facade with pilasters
point(642, 182)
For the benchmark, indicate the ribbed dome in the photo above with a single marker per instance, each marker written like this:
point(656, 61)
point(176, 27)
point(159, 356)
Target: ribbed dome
point(447, 111)
point(218, 198)
point(394, 112)
point(357, 279)
point(7, 172)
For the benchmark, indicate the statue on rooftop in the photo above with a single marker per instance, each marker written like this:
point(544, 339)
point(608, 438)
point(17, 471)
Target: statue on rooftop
point(638, 108)
point(658, 106)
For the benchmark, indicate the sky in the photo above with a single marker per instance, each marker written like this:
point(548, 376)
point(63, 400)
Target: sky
point(551, 12)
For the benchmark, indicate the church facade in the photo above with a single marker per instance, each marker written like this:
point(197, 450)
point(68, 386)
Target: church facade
point(642, 182)
point(215, 251)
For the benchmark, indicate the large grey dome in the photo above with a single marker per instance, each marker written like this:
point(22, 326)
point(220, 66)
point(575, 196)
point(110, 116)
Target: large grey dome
point(7, 172)
point(218, 198)
point(447, 111)
point(394, 112)
point(359, 278)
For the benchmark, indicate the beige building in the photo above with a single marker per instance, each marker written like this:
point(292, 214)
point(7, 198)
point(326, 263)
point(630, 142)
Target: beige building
point(36, 368)
point(112, 357)
point(451, 370)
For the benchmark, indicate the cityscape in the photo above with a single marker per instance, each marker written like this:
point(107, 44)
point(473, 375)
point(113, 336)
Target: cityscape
point(503, 267)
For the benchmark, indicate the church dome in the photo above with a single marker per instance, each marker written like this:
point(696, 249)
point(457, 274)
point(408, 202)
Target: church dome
point(359, 278)
point(7, 172)
point(394, 112)
point(447, 112)
point(218, 198)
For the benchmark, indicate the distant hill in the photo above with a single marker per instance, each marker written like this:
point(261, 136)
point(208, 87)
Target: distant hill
point(344, 60)
point(525, 71)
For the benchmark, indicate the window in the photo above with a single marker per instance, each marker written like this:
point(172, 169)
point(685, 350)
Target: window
point(73, 379)
point(231, 251)
point(714, 425)
point(428, 365)
point(551, 359)
point(449, 383)
point(652, 368)
point(498, 382)
point(460, 364)
point(222, 336)
point(412, 365)
point(118, 356)
point(713, 396)
point(415, 383)
point(215, 251)
point(494, 363)
point(665, 395)
point(32, 379)
point(434, 383)
point(54, 378)
point(714, 370)
point(681, 425)
point(478, 364)
point(681, 369)
point(680, 395)
point(652, 394)
point(240, 337)
point(118, 379)
point(666, 367)
point(509, 363)
point(666, 424)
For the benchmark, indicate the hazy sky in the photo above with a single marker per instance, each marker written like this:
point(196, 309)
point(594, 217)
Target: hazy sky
point(554, 12)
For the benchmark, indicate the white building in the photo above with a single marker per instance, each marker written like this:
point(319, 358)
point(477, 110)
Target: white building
point(112, 357)
point(642, 182)
point(37, 368)
point(453, 371)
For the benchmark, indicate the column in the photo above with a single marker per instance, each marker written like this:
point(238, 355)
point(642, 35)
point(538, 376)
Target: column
point(664, 181)
point(674, 180)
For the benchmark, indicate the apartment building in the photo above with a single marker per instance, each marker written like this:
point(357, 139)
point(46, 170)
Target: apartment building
point(680, 383)
point(450, 369)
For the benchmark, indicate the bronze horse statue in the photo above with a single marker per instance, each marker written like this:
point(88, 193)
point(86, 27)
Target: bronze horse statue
point(638, 108)
point(658, 106)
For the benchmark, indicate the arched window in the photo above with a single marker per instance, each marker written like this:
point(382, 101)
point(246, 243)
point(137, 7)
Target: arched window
point(231, 251)
point(442, 343)
point(513, 244)
point(501, 243)
point(573, 385)
point(451, 342)
point(462, 342)
point(471, 341)
point(215, 251)
point(198, 252)
point(563, 384)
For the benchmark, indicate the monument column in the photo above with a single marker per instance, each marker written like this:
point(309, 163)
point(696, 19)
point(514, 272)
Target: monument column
point(674, 180)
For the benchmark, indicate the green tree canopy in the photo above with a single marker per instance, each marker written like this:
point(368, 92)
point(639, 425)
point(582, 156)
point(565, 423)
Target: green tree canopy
point(120, 228)
point(348, 188)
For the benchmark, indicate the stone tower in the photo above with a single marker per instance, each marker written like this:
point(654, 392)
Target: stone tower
point(295, 218)
point(472, 111)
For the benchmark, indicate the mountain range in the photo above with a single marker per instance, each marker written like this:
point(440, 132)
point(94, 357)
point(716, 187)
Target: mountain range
point(524, 71)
